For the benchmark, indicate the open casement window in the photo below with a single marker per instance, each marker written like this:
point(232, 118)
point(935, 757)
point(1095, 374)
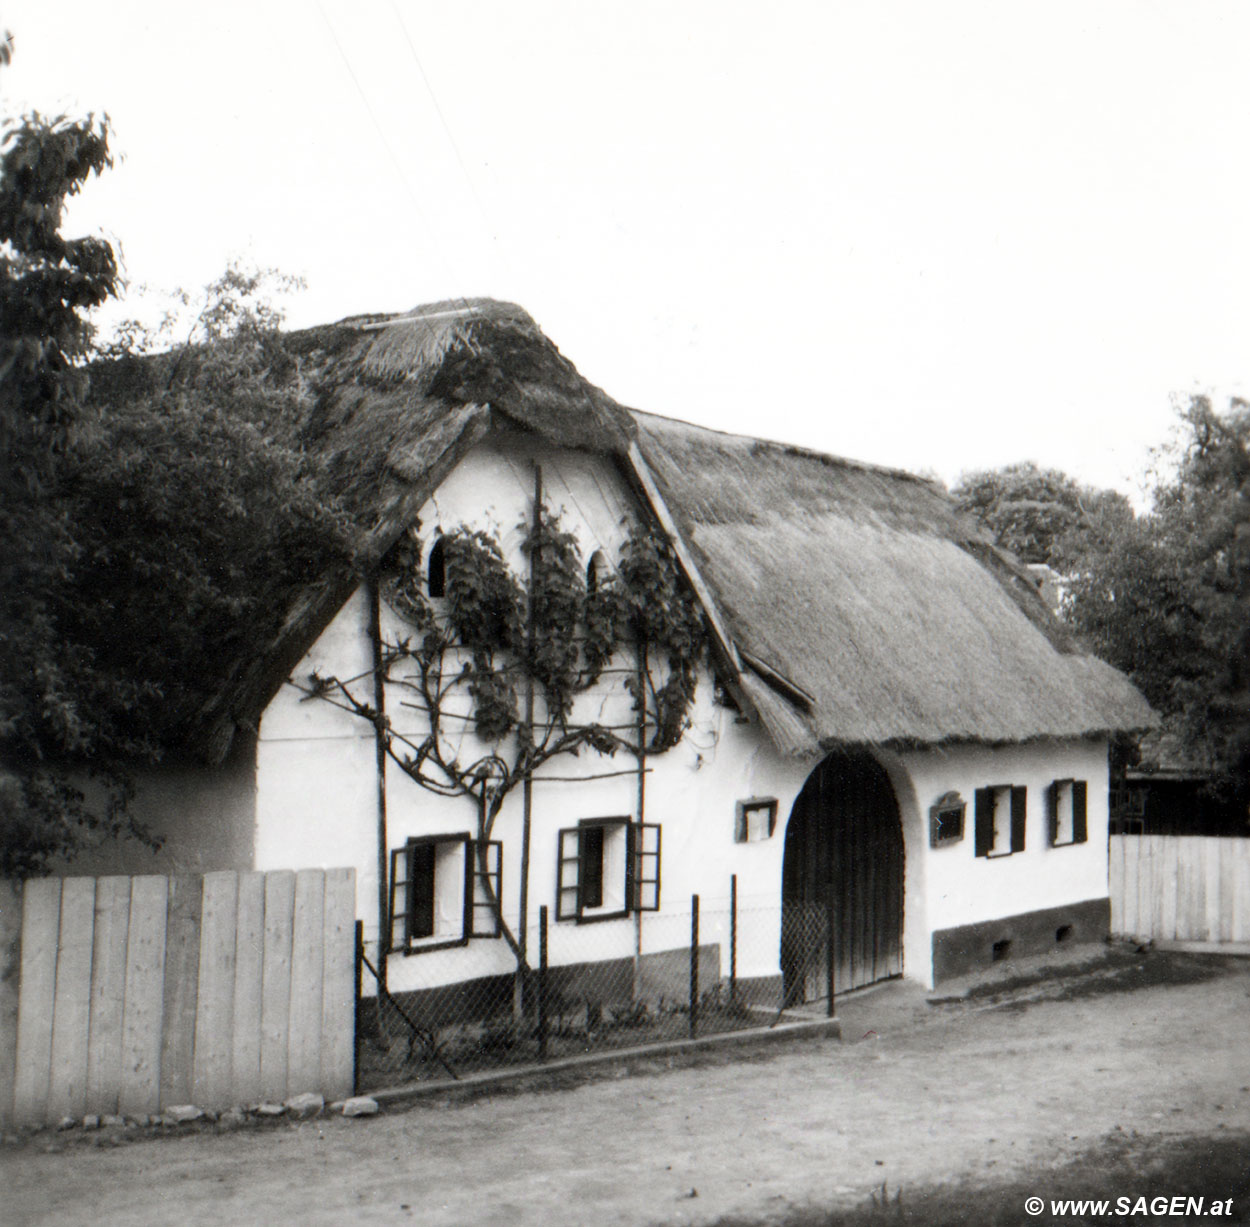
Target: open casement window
point(755, 820)
point(999, 819)
point(607, 868)
point(439, 896)
point(1066, 802)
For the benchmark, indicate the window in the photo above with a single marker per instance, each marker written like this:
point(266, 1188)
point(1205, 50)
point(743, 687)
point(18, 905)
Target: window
point(596, 570)
point(946, 820)
point(999, 817)
point(441, 893)
point(436, 574)
point(607, 868)
point(1065, 811)
point(755, 820)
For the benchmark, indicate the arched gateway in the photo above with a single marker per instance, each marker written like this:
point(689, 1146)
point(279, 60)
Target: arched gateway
point(844, 849)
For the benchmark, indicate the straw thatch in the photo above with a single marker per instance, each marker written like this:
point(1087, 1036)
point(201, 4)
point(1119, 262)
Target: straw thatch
point(862, 607)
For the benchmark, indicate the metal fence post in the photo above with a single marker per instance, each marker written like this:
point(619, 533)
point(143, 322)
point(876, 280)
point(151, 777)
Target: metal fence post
point(829, 954)
point(542, 982)
point(360, 969)
point(694, 966)
point(733, 938)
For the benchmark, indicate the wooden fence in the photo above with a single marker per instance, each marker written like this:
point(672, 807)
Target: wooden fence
point(1180, 888)
point(131, 995)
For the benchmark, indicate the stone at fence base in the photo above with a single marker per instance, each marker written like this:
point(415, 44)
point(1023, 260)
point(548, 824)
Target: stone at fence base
point(67, 1122)
point(268, 1109)
point(90, 1121)
point(113, 1122)
point(305, 1105)
point(181, 1113)
point(360, 1105)
point(232, 1118)
point(141, 1121)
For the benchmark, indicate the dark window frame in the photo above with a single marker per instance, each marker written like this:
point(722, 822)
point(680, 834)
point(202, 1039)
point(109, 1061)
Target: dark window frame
point(576, 890)
point(436, 570)
point(1080, 813)
point(408, 895)
point(741, 824)
point(950, 811)
point(985, 802)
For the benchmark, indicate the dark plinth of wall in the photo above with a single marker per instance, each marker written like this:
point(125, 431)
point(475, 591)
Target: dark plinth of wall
point(974, 947)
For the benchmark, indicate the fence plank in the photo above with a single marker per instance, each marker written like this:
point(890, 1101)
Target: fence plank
point(1128, 904)
point(338, 980)
point(10, 990)
point(1115, 882)
point(182, 971)
point(249, 947)
point(276, 983)
point(1241, 892)
point(304, 1052)
point(145, 977)
point(67, 1089)
point(108, 993)
point(41, 924)
point(1165, 879)
point(214, 1014)
point(1211, 849)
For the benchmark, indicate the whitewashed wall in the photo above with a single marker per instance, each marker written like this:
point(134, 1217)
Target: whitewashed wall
point(950, 886)
point(316, 785)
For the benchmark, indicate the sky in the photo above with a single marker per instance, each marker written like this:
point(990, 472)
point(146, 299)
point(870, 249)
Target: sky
point(939, 236)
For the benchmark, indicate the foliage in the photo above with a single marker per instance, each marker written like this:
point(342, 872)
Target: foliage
point(1166, 596)
point(493, 635)
point(148, 529)
point(1033, 511)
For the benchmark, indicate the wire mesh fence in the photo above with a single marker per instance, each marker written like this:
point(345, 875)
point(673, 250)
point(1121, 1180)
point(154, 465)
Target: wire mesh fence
point(625, 982)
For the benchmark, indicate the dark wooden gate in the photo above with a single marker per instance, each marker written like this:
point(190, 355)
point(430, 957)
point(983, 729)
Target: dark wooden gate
point(843, 870)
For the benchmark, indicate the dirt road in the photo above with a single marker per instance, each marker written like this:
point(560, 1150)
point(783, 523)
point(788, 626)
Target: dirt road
point(936, 1094)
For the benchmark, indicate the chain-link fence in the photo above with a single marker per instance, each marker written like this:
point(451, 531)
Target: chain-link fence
point(719, 965)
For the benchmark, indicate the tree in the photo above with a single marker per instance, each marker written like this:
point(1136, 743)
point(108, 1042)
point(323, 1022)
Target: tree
point(1036, 513)
point(1166, 596)
point(511, 656)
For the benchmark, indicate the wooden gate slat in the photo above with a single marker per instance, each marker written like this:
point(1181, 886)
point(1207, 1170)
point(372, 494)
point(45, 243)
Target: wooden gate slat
point(276, 983)
point(182, 971)
point(41, 925)
point(214, 996)
point(10, 990)
point(304, 1053)
point(338, 984)
point(249, 951)
point(142, 1012)
point(67, 1089)
point(108, 994)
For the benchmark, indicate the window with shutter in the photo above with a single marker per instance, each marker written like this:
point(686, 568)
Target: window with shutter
point(1066, 802)
point(1000, 817)
point(755, 820)
point(486, 877)
point(605, 867)
point(430, 897)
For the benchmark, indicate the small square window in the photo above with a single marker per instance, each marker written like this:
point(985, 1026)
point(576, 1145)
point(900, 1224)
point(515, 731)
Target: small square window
point(946, 820)
point(1000, 816)
point(755, 820)
point(1066, 804)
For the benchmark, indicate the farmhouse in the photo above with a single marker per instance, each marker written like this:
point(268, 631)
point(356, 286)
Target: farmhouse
point(887, 723)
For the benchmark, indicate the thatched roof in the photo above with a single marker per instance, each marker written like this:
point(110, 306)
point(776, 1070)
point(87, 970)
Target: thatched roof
point(849, 603)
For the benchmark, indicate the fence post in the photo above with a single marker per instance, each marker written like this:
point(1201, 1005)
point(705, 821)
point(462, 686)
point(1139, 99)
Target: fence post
point(733, 938)
point(694, 966)
point(360, 968)
point(542, 981)
point(829, 954)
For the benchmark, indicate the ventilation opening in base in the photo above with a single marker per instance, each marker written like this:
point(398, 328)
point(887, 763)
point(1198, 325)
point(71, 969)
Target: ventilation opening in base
point(1064, 933)
point(1000, 951)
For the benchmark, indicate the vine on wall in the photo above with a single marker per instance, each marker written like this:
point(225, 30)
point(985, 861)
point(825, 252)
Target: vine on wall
point(497, 646)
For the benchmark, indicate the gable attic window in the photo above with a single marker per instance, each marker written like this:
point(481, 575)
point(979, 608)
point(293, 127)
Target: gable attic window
point(440, 895)
point(606, 869)
point(755, 820)
point(946, 820)
point(1066, 802)
point(999, 818)
point(436, 570)
point(596, 570)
